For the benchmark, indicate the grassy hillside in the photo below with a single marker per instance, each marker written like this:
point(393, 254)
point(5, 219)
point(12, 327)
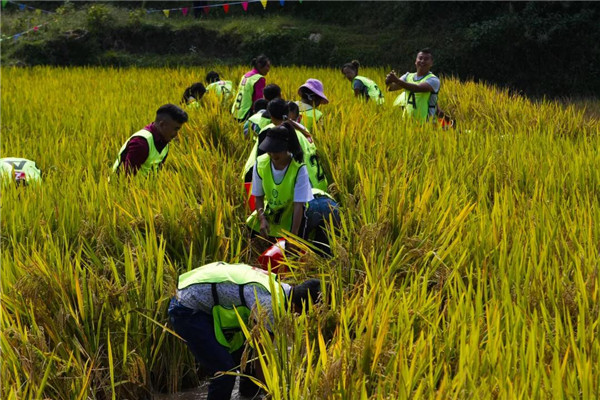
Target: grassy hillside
point(466, 265)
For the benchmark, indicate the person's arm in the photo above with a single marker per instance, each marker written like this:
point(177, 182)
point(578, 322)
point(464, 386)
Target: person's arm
point(297, 217)
point(259, 86)
point(394, 83)
point(136, 154)
point(301, 129)
point(359, 88)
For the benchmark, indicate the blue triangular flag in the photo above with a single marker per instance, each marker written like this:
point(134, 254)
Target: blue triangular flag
point(22, 7)
point(281, 2)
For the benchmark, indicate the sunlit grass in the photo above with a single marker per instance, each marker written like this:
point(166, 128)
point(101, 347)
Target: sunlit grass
point(465, 266)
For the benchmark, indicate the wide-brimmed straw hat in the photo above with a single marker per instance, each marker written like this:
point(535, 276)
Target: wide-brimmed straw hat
point(315, 86)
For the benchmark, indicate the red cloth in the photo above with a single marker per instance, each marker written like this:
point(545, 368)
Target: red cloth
point(258, 86)
point(137, 150)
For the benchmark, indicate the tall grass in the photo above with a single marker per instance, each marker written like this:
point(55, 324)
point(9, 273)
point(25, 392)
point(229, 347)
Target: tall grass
point(466, 264)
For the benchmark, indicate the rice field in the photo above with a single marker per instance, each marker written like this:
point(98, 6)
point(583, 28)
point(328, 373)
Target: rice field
point(466, 265)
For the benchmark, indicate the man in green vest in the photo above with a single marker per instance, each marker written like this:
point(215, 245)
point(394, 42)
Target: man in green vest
point(205, 309)
point(419, 100)
point(147, 149)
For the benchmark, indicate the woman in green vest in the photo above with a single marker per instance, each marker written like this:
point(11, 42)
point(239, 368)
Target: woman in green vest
point(363, 87)
point(311, 97)
point(204, 312)
point(285, 200)
point(250, 88)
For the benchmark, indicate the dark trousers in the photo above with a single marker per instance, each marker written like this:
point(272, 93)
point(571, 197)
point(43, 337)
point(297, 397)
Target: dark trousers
point(315, 220)
point(197, 328)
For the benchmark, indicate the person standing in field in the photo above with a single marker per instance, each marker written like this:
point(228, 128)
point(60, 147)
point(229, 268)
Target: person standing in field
point(363, 87)
point(250, 88)
point(218, 86)
point(421, 88)
point(146, 150)
point(311, 97)
point(204, 312)
point(285, 199)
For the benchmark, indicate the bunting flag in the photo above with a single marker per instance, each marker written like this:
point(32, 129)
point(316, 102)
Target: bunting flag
point(281, 2)
point(226, 8)
point(264, 3)
point(245, 5)
point(4, 3)
point(18, 35)
point(22, 7)
point(166, 12)
point(184, 11)
point(205, 10)
point(300, 1)
point(36, 28)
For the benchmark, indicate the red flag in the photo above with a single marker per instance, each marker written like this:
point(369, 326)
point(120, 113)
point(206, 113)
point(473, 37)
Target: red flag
point(245, 5)
point(226, 8)
point(185, 10)
point(35, 28)
point(205, 9)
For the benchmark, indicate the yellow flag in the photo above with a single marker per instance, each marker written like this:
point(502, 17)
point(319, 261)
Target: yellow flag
point(166, 12)
point(38, 12)
point(264, 3)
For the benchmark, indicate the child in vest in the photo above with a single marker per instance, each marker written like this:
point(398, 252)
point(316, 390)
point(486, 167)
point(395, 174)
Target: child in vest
point(192, 95)
point(363, 87)
point(220, 87)
point(20, 170)
point(285, 199)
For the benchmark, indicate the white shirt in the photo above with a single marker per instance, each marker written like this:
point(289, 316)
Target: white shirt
point(302, 190)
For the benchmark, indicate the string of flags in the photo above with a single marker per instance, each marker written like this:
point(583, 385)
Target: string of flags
point(166, 12)
point(207, 7)
point(23, 7)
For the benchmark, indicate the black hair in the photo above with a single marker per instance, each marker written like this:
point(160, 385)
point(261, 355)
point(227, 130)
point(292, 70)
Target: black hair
point(293, 108)
point(278, 108)
point(260, 61)
point(176, 113)
point(212, 76)
point(271, 91)
point(309, 288)
point(354, 64)
point(196, 91)
point(426, 50)
point(294, 147)
point(260, 104)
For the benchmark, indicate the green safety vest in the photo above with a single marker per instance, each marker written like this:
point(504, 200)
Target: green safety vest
point(372, 89)
point(22, 169)
point(416, 104)
point(227, 325)
point(279, 198)
point(309, 116)
point(260, 121)
point(252, 159)
point(221, 88)
point(154, 157)
point(316, 174)
point(243, 97)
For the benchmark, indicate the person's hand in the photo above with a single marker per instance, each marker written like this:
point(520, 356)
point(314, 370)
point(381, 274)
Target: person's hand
point(391, 78)
point(264, 226)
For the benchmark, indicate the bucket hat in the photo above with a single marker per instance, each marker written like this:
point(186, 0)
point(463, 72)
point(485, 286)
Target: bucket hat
point(315, 86)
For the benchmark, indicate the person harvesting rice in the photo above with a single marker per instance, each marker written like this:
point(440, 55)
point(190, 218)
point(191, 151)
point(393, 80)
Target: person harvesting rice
point(363, 87)
point(250, 88)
